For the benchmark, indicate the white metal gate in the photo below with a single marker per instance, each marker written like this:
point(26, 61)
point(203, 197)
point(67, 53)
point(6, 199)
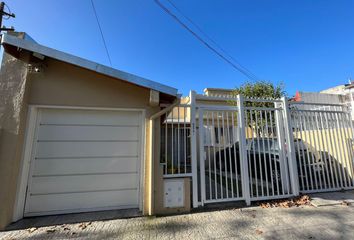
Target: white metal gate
point(219, 153)
point(323, 144)
point(257, 149)
point(243, 151)
point(268, 157)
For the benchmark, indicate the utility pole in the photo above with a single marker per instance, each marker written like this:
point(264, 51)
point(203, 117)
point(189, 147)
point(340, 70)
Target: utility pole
point(2, 14)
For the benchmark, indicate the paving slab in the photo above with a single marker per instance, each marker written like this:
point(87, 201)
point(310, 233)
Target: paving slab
point(304, 222)
point(332, 198)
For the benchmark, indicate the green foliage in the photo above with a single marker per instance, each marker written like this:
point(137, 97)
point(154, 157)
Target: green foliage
point(259, 89)
point(262, 90)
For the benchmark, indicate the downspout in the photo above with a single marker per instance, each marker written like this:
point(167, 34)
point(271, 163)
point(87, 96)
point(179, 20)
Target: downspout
point(151, 138)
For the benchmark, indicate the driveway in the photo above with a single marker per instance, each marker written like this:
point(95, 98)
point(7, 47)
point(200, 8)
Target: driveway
point(304, 222)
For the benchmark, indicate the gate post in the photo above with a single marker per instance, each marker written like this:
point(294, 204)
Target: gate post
point(193, 113)
point(243, 151)
point(201, 156)
point(279, 122)
point(291, 148)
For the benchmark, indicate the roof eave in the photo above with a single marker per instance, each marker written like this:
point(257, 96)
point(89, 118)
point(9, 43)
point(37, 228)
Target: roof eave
point(87, 64)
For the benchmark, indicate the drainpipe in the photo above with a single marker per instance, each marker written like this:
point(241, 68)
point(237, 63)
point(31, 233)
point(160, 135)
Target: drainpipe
point(151, 154)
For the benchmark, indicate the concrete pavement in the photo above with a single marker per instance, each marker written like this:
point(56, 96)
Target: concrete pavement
point(305, 222)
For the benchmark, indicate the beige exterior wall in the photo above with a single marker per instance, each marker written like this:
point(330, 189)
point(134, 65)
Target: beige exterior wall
point(13, 109)
point(65, 85)
point(335, 142)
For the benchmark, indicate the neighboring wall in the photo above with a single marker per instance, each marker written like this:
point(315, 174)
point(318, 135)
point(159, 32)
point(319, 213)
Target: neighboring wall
point(313, 97)
point(336, 95)
point(335, 144)
point(13, 109)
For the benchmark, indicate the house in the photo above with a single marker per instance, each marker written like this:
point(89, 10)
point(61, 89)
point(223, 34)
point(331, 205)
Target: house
point(74, 135)
point(342, 94)
point(77, 136)
point(219, 92)
point(318, 97)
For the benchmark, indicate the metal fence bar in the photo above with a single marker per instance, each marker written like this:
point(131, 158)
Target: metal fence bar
point(309, 153)
point(230, 144)
point(220, 160)
point(305, 154)
point(185, 139)
point(166, 143)
point(262, 108)
point(292, 166)
point(269, 153)
point(315, 142)
point(347, 151)
point(235, 156)
point(262, 100)
point(335, 175)
point(341, 147)
point(254, 158)
point(259, 156)
point(312, 111)
point(347, 147)
point(287, 149)
point(264, 152)
point(331, 184)
point(318, 104)
point(193, 133)
point(285, 168)
point(275, 165)
point(209, 163)
point(201, 156)
point(336, 144)
point(323, 155)
point(282, 157)
point(243, 151)
point(172, 143)
point(224, 150)
point(349, 138)
point(316, 158)
point(350, 144)
point(178, 142)
point(214, 144)
point(297, 130)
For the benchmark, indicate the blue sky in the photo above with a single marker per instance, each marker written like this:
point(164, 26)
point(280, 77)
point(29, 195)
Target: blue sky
point(307, 44)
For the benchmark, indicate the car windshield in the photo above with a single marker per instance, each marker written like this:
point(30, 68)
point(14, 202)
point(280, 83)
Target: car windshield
point(263, 144)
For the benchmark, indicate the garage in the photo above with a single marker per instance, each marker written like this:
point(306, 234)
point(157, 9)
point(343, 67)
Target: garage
point(75, 135)
point(84, 160)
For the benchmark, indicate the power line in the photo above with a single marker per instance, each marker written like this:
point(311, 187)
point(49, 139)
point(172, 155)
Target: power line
point(99, 26)
point(234, 64)
point(210, 39)
point(240, 68)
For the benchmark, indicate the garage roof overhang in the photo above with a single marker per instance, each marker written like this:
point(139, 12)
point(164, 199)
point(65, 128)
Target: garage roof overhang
point(10, 42)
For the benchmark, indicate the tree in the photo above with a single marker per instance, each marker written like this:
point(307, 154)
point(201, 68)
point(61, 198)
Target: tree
point(262, 90)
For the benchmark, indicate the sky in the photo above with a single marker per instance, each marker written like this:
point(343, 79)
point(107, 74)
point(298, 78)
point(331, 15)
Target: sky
point(306, 44)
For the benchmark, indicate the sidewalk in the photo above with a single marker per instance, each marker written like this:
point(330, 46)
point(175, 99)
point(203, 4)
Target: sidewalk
point(306, 222)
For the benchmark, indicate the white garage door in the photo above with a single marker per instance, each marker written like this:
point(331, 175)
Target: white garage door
point(84, 160)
